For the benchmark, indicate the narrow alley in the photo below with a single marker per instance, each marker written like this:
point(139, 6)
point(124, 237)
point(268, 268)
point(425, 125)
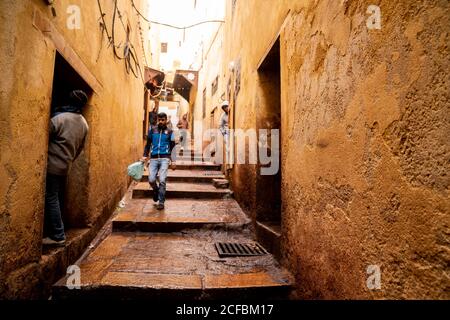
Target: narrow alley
point(251, 150)
point(172, 254)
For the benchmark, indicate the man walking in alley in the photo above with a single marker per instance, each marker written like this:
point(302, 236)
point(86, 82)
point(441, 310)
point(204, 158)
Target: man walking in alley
point(169, 123)
point(160, 142)
point(68, 130)
point(183, 126)
point(224, 127)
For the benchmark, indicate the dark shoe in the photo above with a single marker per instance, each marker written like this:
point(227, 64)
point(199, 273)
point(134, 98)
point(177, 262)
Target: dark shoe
point(155, 195)
point(50, 242)
point(160, 206)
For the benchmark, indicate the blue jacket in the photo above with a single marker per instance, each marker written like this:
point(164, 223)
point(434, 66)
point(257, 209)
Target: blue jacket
point(159, 143)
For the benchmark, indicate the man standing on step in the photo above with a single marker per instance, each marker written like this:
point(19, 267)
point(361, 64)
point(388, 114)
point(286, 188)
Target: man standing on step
point(160, 142)
point(68, 130)
point(224, 127)
point(183, 126)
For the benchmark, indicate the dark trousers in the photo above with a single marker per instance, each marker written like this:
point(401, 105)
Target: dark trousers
point(54, 199)
point(183, 137)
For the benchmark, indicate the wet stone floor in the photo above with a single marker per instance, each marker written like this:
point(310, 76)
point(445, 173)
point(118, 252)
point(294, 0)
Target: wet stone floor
point(171, 253)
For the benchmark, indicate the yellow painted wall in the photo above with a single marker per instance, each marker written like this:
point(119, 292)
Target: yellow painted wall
point(364, 140)
point(211, 68)
point(114, 115)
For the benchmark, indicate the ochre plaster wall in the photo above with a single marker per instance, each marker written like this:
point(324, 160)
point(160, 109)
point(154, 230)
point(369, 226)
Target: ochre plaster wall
point(114, 115)
point(365, 126)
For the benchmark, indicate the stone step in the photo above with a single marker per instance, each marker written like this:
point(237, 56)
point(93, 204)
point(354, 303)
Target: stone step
point(268, 233)
point(221, 183)
point(189, 176)
point(197, 165)
point(180, 214)
point(192, 159)
point(174, 266)
point(192, 154)
point(183, 190)
point(189, 152)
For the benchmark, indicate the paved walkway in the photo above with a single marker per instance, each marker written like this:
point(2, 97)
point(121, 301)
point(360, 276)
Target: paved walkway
point(171, 253)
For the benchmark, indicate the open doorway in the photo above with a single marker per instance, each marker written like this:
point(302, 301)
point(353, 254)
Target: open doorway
point(75, 201)
point(268, 187)
point(65, 79)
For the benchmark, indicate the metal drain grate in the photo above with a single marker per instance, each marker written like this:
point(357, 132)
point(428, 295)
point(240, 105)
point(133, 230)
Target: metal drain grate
point(229, 249)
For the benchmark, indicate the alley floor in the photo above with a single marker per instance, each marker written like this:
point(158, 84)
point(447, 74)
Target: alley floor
point(172, 253)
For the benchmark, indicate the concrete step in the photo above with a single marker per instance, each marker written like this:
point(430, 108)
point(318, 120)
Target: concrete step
point(174, 266)
point(181, 214)
point(221, 183)
point(192, 159)
point(189, 152)
point(192, 154)
point(197, 165)
point(190, 176)
point(183, 190)
point(268, 233)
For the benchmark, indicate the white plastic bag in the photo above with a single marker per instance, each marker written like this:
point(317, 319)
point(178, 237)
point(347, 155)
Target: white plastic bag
point(136, 170)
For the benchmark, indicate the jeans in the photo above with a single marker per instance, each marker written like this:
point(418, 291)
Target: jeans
point(226, 140)
point(183, 137)
point(54, 199)
point(160, 166)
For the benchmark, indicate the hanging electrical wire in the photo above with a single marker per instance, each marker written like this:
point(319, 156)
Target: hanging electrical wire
point(161, 88)
point(113, 32)
point(103, 23)
point(142, 41)
point(172, 26)
point(129, 57)
point(128, 54)
point(158, 89)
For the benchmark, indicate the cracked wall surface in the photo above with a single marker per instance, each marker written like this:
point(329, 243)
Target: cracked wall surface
point(365, 126)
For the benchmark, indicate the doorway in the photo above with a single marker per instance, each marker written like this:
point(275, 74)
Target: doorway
point(268, 187)
point(75, 204)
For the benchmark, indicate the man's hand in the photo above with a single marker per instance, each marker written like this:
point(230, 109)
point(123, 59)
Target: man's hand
point(173, 166)
point(144, 159)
